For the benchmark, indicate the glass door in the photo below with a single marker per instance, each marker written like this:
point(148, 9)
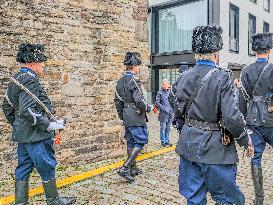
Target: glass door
point(168, 73)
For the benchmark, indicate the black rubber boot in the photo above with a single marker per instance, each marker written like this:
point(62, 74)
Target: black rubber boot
point(257, 177)
point(125, 170)
point(52, 196)
point(134, 169)
point(21, 192)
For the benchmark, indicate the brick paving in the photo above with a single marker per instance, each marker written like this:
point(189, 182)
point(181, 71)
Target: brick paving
point(158, 185)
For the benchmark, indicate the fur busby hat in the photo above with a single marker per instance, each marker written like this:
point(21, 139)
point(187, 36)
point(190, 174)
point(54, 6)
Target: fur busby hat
point(132, 58)
point(207, 39)
point(30, 53)
point(262, 42)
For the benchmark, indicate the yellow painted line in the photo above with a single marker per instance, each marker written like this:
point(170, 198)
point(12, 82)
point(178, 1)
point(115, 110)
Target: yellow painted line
point(86, 175)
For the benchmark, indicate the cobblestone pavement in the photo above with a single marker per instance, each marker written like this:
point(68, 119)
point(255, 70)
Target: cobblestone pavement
point(159, 183)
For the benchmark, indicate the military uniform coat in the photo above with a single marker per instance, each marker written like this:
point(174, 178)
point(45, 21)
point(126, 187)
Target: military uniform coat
point(129, 100)
point(27, 118)
point(215, 100)
point(255, 108)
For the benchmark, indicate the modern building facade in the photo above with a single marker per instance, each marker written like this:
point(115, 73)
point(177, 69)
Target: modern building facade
point(170, 32)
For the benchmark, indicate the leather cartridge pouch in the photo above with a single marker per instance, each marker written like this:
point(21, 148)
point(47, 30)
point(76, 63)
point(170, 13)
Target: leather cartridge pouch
point(226, 135)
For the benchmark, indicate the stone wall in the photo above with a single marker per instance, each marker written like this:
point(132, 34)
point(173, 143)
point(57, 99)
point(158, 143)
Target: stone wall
point(85, 42)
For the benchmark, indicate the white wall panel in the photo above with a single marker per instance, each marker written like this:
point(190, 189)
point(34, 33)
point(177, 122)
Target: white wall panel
point(245, 7)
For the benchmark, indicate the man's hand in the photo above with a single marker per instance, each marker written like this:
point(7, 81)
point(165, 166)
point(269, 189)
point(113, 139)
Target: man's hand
point(250, 147)
point(150, 108)
point(243, 141)
point(58, 125)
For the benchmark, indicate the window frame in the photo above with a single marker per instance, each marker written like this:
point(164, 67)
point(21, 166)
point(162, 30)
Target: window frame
point(236, 25)
point(250, 16)
point(155, 21)
point(269, 5)
point(264, 25)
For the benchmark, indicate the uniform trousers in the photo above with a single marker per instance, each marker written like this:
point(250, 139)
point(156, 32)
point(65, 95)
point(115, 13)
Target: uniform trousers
point(196, 179)
point(260, 136)
point(38, 155)
point(136, 136)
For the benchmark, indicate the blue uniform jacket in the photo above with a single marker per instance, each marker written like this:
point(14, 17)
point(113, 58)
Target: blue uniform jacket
point(216, 100)
point(130, 103)
point(28, 119)
point(256, 110)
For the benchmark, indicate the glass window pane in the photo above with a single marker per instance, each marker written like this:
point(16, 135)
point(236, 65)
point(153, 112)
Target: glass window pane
point(266, 28)
point(251, 31)
point(234, 28)
point(175, 26)
point(170, 74)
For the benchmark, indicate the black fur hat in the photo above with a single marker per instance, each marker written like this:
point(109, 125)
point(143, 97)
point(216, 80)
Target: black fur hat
point(207, 39)
point(132, 58)
point(29, 53)
point(262, 42)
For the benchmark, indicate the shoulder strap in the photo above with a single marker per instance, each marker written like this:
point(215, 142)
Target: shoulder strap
point(259, 79)
point(200, 84)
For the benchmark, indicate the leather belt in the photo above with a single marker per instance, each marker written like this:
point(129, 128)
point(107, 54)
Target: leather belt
point(132, 105)
point(202, 125)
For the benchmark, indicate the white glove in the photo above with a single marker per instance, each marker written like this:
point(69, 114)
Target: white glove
point(59, 125)
point(150, 108)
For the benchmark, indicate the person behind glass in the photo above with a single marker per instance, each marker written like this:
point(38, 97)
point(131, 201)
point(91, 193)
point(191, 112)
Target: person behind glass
point(166, 115)
point(132, 107)
point(256, 97)
point(206, 97)
point(33, 129)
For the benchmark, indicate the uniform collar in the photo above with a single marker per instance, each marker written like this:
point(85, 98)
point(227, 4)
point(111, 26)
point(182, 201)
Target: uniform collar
point(206, 62)
point(262, 60)
point(129, 73)
point(28, 71)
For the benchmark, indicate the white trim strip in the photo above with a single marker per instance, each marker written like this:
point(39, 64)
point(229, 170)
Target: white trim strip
point(7, 98)
point(119, 97)
point(34, 115)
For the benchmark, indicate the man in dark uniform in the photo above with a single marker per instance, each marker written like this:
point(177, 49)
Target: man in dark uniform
point(256, 92)
point(132, 107)
point(207, 101)
point(32, 127)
